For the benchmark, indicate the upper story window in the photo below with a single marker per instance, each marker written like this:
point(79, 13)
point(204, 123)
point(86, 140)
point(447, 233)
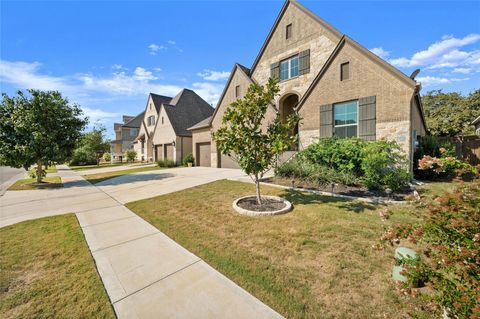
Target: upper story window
point(133, 132)
point(345, 117)
point(289, 68)
point(151, 120)
point(237, 91)
point(344, 71)
point(288, 31)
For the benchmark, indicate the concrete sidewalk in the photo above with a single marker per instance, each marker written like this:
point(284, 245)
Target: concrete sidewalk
point(146, 274)
point(114, 168)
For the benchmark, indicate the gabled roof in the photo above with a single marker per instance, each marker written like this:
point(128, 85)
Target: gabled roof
point(202, 124)
point(242, 69)
point(345, 39)
point(158, 100)
point(186, 109)
point(279, 18)
point(135, 122)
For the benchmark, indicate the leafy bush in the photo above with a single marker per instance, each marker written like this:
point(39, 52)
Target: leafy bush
point(131, 155)
point(339, 154)
point(107, 157)
point(165, 163)
point(379, 164)
point(449, 239)
point(384, 165)
point(83, 156)
point(444, 167)
point(300, 169)
point(188, 159)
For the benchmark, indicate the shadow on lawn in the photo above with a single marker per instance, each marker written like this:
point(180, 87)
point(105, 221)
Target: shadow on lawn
point(298, 197)
point(129, 179)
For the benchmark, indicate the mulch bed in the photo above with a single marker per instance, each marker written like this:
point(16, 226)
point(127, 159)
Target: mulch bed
point(356, 191)
point(268, 204)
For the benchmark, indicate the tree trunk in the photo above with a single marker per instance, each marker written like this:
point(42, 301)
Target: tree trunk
point(39, 171)
point(257, 186)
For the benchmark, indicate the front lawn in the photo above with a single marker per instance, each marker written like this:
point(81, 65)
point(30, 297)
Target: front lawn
point(100, 177)
point(31, 183)
point(317, 261)
point(47, 272)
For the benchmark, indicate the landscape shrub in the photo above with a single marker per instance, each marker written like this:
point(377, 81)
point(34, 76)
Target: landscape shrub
point(378, 164)
point(188, 159)
point(83, 156)
point(107, 157)
point(131, 155)
point(433, 147)
point(384, 165)
point(448, 241)
point(165, 163)
point(444, 167)
point(300, 169)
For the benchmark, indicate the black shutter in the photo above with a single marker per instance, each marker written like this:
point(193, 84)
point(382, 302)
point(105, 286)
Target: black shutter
point(275, 70)
point(304, 62)
point(326, 120)
point(367, 118)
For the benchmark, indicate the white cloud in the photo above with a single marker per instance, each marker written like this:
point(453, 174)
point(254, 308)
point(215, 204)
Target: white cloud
point(171, 42)
point(433, 80)
point(462, 70)
point(210, 75)
point(142, 74)
point(443, 54)
point(154, 48)
point(380, 52)
point(210, 92)
point(97, 115)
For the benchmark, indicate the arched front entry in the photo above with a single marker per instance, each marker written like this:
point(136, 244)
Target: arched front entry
point(287, 105)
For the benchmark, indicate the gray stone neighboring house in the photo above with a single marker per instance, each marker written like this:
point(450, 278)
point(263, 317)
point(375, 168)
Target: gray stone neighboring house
point(338, 87)
point(125, 134)
point(163, 132)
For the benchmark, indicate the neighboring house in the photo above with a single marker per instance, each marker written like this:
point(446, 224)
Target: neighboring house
point(338, 87)
point(476, 123)
point(125, 134)
point(163, 133)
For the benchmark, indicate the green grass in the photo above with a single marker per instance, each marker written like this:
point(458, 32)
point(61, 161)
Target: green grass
point(30, 183)
point(100, 177)
point(102, 165)
point(47, 272)
point(315, 262)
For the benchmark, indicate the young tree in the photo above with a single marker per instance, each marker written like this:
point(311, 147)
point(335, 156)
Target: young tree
point(242, 137)
point(91, 147)
point(131, 155)
point(38, 128)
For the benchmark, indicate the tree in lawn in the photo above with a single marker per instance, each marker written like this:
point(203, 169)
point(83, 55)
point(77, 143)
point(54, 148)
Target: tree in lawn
point(91, 147)
point(243, 137)
point(38, 127)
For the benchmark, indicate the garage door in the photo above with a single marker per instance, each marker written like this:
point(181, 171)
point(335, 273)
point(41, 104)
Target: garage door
point(168, 149)
point(203, 154)
point(227, 162)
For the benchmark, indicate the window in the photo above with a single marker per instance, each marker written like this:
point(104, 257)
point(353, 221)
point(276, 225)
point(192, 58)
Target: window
point(346, 119)
point(151, 120)
point(289, 68)
point(344, 71)
point(237, 91)
point(162, 120)
point(288, 31)
point(133, 132)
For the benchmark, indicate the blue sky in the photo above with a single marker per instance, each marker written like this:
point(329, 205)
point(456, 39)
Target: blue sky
point(108, 55)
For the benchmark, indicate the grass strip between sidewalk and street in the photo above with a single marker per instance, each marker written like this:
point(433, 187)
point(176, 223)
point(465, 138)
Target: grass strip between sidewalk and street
point(100, 177)
point(102, 165)
point(47, 271)
point(31, 183)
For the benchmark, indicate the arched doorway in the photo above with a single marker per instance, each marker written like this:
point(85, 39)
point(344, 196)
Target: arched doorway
point(287, 105)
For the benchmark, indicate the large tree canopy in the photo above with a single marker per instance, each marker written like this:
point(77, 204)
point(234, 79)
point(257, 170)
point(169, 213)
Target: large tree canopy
point(243, 137)
point(451, 114)
point(40, 127)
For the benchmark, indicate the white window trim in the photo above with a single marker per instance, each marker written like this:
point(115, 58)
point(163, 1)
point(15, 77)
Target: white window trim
point(345, 125)
point(289, 68)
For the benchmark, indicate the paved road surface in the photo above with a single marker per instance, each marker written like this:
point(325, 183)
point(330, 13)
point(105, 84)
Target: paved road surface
point(8, 176)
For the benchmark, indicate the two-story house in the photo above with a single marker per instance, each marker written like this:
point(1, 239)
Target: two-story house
point(125, 134)
point(163, 132)
point(338, 87)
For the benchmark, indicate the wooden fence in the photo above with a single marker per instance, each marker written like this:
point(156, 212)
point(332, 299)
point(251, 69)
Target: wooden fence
point(466, 147)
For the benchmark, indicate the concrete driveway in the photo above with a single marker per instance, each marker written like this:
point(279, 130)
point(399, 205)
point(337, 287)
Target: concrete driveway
point(132, 187)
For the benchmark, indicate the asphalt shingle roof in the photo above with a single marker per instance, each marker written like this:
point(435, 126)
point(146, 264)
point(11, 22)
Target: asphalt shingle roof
point(135, 122)
point(158, 100)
